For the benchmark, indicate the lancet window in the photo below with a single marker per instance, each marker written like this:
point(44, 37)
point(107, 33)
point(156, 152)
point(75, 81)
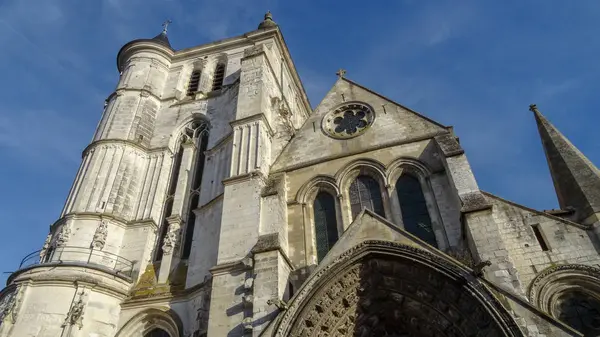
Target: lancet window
point(415, 214)
point(196, 138)
point(326, 231)
point(218, 77)
point(365, 193)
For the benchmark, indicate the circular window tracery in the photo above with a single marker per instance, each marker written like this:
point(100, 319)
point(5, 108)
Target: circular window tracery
point(348, 121)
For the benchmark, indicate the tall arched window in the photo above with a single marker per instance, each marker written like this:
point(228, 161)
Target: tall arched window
point(200, 134)
point(194, 83)
point(157, 333)
point(365, 193)
point(325, 223)
point(415, 214)
point(197, 133)
point(168, 206)
point(218, 77)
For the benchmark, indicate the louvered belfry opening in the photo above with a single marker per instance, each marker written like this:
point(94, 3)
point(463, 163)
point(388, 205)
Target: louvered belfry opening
point(194, 83)
point(218, 77)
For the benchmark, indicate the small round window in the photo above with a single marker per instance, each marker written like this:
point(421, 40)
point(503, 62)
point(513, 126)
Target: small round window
point(348, 120)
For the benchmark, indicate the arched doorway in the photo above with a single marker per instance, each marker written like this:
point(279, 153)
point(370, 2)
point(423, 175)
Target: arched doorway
point(388, 289)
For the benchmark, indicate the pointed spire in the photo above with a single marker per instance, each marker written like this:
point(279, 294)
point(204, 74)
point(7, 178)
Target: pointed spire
point(267, 22)
point(162, 37)
point(576, 179)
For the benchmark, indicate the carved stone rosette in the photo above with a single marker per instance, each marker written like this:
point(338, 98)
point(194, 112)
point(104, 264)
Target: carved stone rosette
point(100, 236)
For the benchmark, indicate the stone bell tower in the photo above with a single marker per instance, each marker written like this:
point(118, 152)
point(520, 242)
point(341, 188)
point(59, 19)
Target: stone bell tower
point(94, 250)
point(172, 192)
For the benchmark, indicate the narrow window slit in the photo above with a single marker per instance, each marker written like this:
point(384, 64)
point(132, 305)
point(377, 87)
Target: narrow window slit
point(540, 237)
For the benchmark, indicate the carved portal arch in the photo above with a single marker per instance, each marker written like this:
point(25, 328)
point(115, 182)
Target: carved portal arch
point(571, 294)
point(150, 320)
point(381, 288)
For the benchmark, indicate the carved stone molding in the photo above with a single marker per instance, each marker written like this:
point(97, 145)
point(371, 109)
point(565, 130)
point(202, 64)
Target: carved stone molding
point(75, 314)
point(46, 246)
point(100, 236)
point(64, 235)
point(546, 287)
point(9, 304)
point(380, 288)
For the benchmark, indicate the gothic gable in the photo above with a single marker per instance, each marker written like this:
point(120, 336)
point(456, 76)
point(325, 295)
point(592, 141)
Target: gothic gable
point(373, 122)
point(370, 226)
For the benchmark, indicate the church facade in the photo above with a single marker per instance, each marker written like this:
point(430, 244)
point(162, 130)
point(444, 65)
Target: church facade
point(214, 201)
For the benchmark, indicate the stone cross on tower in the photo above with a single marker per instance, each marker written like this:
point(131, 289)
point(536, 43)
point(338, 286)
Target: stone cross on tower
point(341, 73)
point(166, 25)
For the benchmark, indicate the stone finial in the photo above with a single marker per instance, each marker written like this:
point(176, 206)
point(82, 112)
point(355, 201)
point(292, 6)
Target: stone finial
point(341, 73)
point(267, 22)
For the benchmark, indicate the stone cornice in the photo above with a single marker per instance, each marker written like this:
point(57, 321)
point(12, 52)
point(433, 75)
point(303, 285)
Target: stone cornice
point(254, 118)
point(547, 215)
point(125, 142)
point(243, 177)
point(221, 143)
point(228, 267)
point(116, 220)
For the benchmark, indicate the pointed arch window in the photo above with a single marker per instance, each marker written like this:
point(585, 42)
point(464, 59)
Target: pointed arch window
point(365, 193)
point(168, 206)
point(196, 132)
point(200, 135)
point(218, 77)
point(415, 214)
point(326, 231)
point(194, 83)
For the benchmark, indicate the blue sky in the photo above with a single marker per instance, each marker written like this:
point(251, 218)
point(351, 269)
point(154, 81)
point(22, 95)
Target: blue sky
point(473, 64)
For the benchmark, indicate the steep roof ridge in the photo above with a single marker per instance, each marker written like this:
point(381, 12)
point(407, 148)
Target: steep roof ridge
point(576, 179)
point(396, 103)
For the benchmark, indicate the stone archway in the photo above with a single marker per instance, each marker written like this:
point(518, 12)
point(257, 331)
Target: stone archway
point(388, 289)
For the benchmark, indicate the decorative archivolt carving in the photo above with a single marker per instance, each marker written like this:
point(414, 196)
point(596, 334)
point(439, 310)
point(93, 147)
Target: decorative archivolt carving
point(310, 189)
point(100, 235)
point(382, 288)
point(372, 168)
point(546, 287)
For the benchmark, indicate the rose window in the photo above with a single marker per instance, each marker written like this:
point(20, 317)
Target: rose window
point(348, 120)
